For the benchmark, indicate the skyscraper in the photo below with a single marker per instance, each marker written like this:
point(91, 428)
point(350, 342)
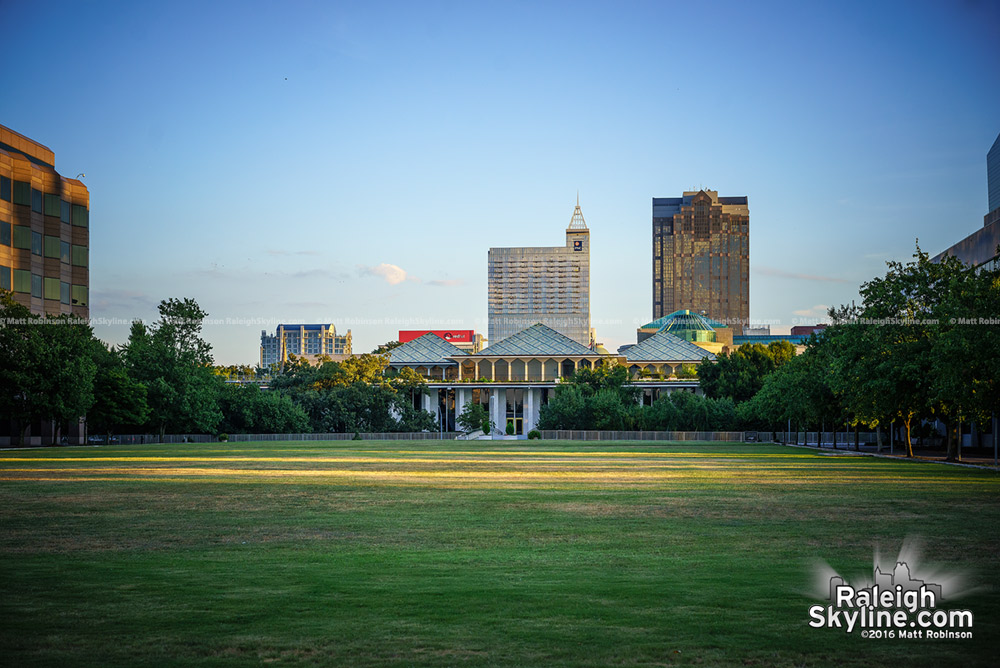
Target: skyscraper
point(542, 285)
point(993, 182)
point(44, 230)
point(701, 256)
point(980, 248)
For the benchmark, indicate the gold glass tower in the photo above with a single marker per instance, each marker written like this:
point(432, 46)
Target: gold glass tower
point(701, 256)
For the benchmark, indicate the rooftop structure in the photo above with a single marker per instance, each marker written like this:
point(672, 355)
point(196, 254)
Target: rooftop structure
point(711, 335)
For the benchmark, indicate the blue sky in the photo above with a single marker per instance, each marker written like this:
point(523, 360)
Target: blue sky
point(353, 162)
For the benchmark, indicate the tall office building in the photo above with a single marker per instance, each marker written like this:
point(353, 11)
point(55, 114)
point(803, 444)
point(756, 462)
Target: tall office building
point(701, 256)
point(979, 249)
point(993, 182)
point(44, 230)
point(309, 342)
point(542, 285)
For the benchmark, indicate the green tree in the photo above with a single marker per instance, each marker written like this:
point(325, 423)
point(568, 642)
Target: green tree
point(599, 398)
point(46, 370)
point(474, 417)
point(118, 399)
point(740, 374)
point(246, 409)
point(175, 364)
point(567, 409)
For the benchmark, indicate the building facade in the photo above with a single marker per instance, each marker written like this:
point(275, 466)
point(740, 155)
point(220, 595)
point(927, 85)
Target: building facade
point(993, 182)
point(44, 230)
point(701, 256)
point(542, 285)
point(309, 342)
point(515, 377)
point(979, 249)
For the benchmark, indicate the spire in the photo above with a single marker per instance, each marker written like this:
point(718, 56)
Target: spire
point(577, 222)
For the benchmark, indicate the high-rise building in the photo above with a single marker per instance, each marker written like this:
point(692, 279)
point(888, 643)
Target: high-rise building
point(44, 230)
point(701, 256)
point(979, 249)
point(993, 182)
point(309, 342)
point(542, 285)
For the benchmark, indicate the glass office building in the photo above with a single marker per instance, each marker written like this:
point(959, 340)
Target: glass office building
point(701, 256)
point(44, 230)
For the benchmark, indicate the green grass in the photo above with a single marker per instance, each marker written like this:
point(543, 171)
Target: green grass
point(430, 553)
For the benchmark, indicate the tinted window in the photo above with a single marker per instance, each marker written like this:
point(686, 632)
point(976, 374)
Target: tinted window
point(22, 237)
point(81, 217)
point(53, 205)
point(52, 246)
point(22, 280)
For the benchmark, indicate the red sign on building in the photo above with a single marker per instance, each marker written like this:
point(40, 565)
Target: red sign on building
point(451, 335)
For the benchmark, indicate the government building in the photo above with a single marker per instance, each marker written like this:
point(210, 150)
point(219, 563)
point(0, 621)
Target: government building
point(542, 285)
point(44, 230)
point(515, 377)
point(701, 257)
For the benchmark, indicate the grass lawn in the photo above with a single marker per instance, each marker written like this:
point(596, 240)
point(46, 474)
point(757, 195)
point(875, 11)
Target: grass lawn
point(430, 553)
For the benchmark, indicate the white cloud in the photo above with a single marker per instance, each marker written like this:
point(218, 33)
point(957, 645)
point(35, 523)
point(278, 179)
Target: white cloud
point(390, 273)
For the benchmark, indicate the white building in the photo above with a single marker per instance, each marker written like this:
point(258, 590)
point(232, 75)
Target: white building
point(542, 285)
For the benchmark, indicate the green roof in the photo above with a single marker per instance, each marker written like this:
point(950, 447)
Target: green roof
point(429, 349)
point(665, 347)
point(537, 340)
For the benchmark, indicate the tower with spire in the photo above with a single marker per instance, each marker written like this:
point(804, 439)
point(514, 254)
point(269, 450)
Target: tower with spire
point(542, 285)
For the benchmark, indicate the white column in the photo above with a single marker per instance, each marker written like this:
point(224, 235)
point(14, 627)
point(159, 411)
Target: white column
point(530, 409)
point(461, 397)
point(498, 412)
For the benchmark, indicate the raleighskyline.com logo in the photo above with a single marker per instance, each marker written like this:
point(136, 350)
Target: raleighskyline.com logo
point(893, 604)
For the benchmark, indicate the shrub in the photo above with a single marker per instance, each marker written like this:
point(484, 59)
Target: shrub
point(357, 437)
point(534, 433)
point(510, 427)
point(223, 438)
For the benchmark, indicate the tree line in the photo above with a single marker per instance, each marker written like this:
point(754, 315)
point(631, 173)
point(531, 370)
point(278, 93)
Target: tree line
point(923, 344)
point(163, 380)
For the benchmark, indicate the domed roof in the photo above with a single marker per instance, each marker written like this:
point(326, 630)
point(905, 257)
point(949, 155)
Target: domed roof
point(687, 325)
